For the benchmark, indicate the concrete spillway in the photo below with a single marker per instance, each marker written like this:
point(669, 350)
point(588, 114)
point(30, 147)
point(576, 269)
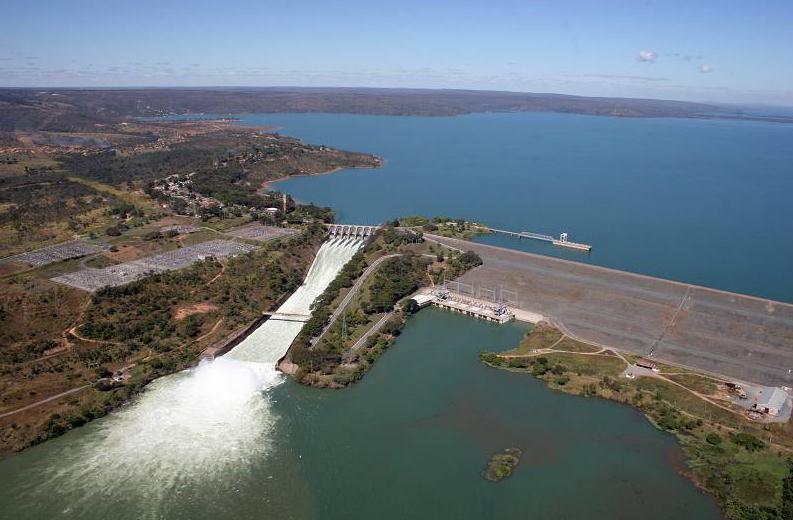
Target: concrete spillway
point(271, 340)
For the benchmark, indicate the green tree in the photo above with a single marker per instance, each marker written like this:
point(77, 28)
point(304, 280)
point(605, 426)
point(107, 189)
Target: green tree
point(411, 307)
point(713, 438)
point(748, 441)
point(786, 509)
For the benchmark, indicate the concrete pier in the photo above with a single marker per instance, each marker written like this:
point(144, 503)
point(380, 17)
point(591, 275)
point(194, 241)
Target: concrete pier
point(562, 241)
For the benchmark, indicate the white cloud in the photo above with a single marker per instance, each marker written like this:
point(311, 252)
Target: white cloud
point(648, 56)
point(618, 77)
point(705, 68)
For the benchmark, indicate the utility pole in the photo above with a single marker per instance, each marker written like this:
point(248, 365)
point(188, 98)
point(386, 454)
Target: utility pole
point(344, 329)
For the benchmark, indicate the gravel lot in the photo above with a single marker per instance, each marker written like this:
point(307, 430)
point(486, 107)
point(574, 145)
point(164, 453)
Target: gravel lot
point(57, 253)
point(179, 228)
point(742, 337)
point(259, 232)
point(90, 279)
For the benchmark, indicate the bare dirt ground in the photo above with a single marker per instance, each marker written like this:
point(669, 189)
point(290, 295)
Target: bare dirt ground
point(198, 308)
point(125, 253)
point(737, 336)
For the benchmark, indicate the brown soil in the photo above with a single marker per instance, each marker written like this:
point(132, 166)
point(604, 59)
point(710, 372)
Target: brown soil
point(198, 308)
point(125, 253)
point(7, 268)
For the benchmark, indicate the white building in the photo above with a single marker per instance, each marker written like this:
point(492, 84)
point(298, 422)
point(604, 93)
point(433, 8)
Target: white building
point(772, 402)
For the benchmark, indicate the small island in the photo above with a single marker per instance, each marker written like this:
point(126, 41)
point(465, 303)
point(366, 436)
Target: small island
point(502, 464)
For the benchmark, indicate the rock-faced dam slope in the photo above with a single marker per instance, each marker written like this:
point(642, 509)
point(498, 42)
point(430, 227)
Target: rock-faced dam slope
point(734, 335)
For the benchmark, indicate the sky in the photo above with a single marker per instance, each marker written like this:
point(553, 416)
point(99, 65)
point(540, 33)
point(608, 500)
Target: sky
point(701, 50)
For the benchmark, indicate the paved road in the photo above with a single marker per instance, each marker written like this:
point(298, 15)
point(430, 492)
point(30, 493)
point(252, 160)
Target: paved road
point(352, 292)
point(734, 335)
point(47, 400)
point(376, 328)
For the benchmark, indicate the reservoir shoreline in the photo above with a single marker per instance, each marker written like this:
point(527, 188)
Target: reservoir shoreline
point(650, 209)
point(269, 185)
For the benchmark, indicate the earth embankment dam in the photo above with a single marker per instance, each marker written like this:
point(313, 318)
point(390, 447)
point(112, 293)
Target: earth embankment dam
point(724, 333)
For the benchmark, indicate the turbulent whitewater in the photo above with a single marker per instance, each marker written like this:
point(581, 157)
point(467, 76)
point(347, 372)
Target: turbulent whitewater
point(269, 343)
point(202, 426)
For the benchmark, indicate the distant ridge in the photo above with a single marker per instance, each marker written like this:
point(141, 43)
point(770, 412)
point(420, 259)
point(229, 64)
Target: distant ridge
point(81, 109)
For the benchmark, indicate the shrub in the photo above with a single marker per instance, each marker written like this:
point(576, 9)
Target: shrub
point(392, 327)
point(713, 439)
point(411, 307)
point(192, 325)
point(102, 371)
point(611, 384)
point(748, 441)
point(562, 380)
point(490, 357)
point(668, 422)
point(469, 259)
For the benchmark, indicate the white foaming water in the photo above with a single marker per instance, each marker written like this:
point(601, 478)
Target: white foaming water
point(198, 426)
point(269, 343)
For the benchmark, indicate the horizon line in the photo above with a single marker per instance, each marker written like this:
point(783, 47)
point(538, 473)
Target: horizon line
point(426, 89)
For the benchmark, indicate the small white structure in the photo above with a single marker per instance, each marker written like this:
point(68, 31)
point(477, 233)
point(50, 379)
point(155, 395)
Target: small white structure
point(422, 300)
point(771, 403)
point(271, 211)
point(563, 237)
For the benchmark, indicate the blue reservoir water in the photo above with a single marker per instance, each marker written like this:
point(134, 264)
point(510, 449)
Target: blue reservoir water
point(705, 202)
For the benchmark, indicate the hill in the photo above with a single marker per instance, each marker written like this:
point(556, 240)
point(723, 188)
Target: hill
point(83, 109)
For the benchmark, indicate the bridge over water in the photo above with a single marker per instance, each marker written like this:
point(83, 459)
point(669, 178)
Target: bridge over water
point(561, 241)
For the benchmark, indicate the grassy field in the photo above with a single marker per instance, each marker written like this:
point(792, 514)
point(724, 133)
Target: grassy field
point(542, 336)
point(444, 226)
point(135, 198)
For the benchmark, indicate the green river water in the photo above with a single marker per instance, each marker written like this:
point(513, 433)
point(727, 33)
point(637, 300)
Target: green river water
point(409, 441)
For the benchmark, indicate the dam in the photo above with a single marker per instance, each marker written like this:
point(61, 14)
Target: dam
point(719, 332)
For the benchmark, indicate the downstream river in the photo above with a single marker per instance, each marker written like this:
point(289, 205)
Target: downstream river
point(705, 202)
point(409, 441)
